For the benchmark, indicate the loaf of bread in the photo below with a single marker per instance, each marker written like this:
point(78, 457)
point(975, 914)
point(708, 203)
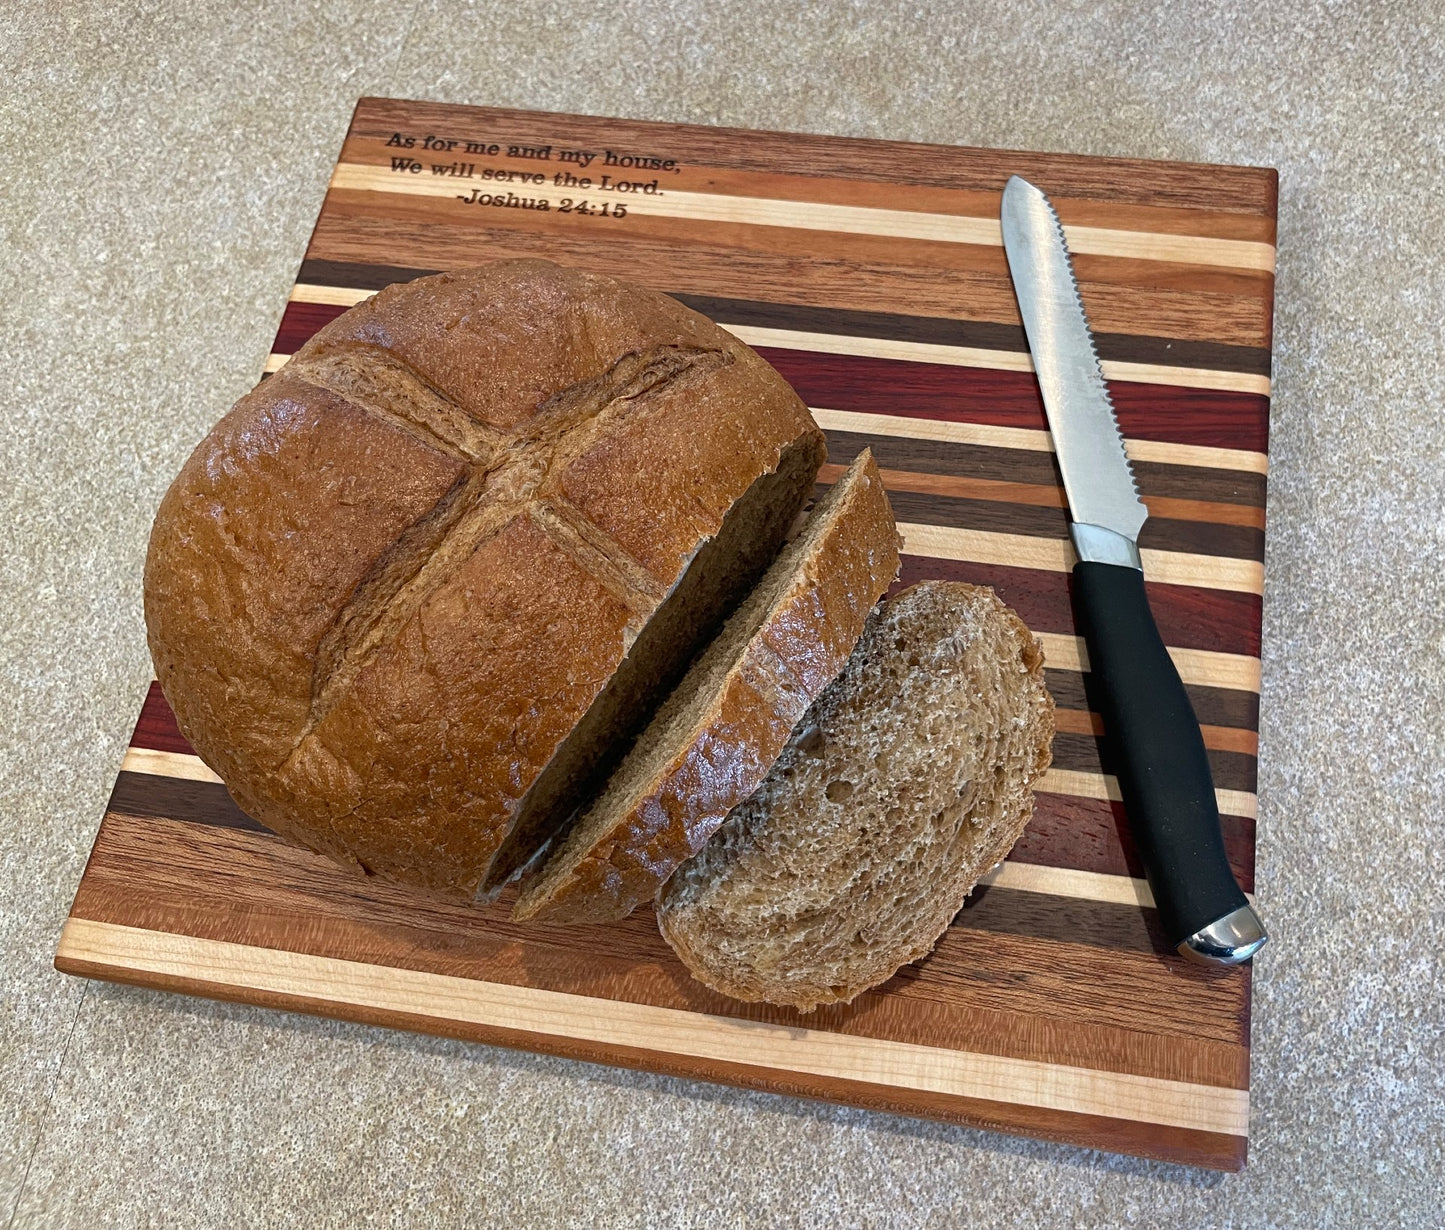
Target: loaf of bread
point(718, 734)
point(418, 589)
point(907, 780)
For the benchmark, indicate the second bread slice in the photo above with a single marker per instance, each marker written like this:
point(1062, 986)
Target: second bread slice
point(715, 738)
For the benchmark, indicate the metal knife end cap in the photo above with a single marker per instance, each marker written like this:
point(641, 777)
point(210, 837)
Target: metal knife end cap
point(1227, 941)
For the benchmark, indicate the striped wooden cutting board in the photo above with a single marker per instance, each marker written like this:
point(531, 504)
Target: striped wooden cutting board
point(871, 274)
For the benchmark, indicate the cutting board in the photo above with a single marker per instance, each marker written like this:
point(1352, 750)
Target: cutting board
point(871, 275)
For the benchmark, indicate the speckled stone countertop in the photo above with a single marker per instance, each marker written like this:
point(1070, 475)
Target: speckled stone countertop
point(160, 176)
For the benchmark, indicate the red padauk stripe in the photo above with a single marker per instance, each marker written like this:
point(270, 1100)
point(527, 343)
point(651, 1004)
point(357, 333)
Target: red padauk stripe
point(299, 321)
point(1011, 399)
point(1188, 617)
point(957, 394)
point(156, 727)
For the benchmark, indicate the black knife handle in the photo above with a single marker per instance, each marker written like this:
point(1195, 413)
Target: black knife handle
point(1158, 755)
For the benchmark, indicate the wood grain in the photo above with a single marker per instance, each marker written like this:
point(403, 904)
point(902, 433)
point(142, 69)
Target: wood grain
point(870, 275)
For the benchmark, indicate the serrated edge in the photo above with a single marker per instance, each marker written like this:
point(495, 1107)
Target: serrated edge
point(1089, 334)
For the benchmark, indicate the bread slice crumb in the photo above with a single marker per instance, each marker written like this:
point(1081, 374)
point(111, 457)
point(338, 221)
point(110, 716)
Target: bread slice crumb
point(906, 781)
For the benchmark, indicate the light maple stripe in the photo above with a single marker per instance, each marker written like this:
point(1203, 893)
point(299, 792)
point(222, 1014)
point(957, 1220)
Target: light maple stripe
point(225, 967)
point(1057, 555)
point(1203, 667)
point(1080, 885)
point(1105, 786)
point(824, 216)
point(167, 764)
point(987, 435)
point(909, 352)
point(1064, 882)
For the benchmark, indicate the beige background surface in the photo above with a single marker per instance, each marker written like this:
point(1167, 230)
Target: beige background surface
point(160, 174)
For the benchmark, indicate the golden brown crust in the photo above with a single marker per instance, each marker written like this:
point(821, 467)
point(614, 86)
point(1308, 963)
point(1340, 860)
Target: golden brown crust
point(387, 585)
point(738, 705)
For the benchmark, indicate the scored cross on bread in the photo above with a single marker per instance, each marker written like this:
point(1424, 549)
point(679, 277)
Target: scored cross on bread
point(715, 737)
point(417, 588)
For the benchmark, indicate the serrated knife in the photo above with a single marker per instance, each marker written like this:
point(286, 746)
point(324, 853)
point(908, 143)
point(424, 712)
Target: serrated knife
point(1150, 726)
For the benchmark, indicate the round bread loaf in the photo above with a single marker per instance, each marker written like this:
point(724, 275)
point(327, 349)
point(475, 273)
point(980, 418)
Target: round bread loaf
point(412, 595)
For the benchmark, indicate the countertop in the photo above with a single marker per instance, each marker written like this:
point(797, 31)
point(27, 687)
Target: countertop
point(161, 173)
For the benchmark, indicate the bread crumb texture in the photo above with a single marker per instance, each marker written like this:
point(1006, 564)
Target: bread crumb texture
point(906, 781)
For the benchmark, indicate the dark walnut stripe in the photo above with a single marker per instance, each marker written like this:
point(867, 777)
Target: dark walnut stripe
point(980, 334)
point(1081, 753)
point(1004, 517)
point(1230, 707)
point(1068, 920)
point(177, 798)
point(1232, 770)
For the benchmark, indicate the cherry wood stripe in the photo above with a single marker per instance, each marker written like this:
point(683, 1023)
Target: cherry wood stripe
point(1118, 182)
point(893, 224)
point(709, 174)
point(243, 887)
point(1160, 535)
point(141, 798)
point(857, 272)
point(461, 940)
point(1222, 738)
point(993, 507)
point(665, 243)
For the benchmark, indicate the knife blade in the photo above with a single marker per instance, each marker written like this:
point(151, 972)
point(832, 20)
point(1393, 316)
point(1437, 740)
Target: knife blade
point(1150, 725)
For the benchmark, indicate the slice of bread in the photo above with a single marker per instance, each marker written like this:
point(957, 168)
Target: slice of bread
point(907, 780)
point(713, 740)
